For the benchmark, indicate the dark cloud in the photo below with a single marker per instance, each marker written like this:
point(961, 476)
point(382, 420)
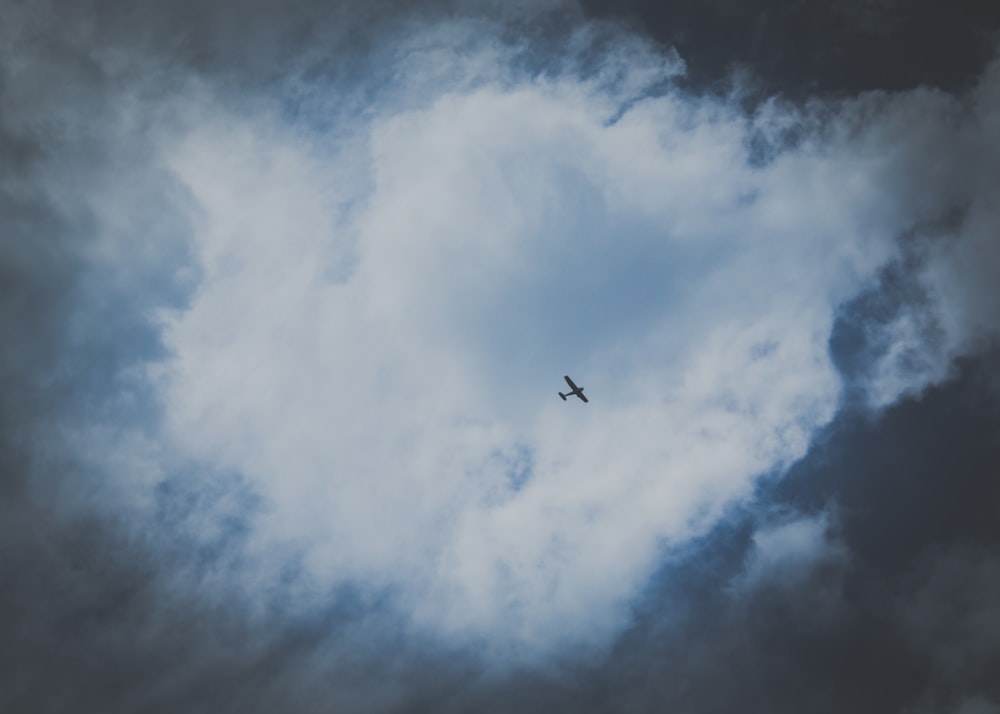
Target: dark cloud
point(802, 49)
point(950, 617)
point(921, 475)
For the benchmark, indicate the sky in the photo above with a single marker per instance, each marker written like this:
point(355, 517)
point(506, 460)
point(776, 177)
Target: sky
point(287, 293)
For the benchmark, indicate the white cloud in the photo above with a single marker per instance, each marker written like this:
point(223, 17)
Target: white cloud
point(912, 354)
point(373, 413)
point(786, 552)
point(376, 345)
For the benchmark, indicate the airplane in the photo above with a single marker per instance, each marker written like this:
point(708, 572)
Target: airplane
point(578, 391)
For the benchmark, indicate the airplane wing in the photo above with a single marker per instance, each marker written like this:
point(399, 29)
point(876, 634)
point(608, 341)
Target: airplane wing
point(580, 394)
point(570, 383)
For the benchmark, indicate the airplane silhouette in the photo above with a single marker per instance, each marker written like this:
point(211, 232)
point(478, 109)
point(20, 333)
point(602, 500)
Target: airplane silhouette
point(578, 391)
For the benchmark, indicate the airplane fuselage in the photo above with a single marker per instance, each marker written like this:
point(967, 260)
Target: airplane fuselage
point(574, 390)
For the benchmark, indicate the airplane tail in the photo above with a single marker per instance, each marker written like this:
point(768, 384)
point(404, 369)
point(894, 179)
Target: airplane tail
point(563, 396)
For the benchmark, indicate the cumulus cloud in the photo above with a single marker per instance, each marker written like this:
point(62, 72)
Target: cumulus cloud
point(366, 319)
point(381, 374)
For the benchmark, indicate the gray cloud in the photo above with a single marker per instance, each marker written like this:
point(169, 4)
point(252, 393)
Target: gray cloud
point(805, 50)
point(950, 612)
